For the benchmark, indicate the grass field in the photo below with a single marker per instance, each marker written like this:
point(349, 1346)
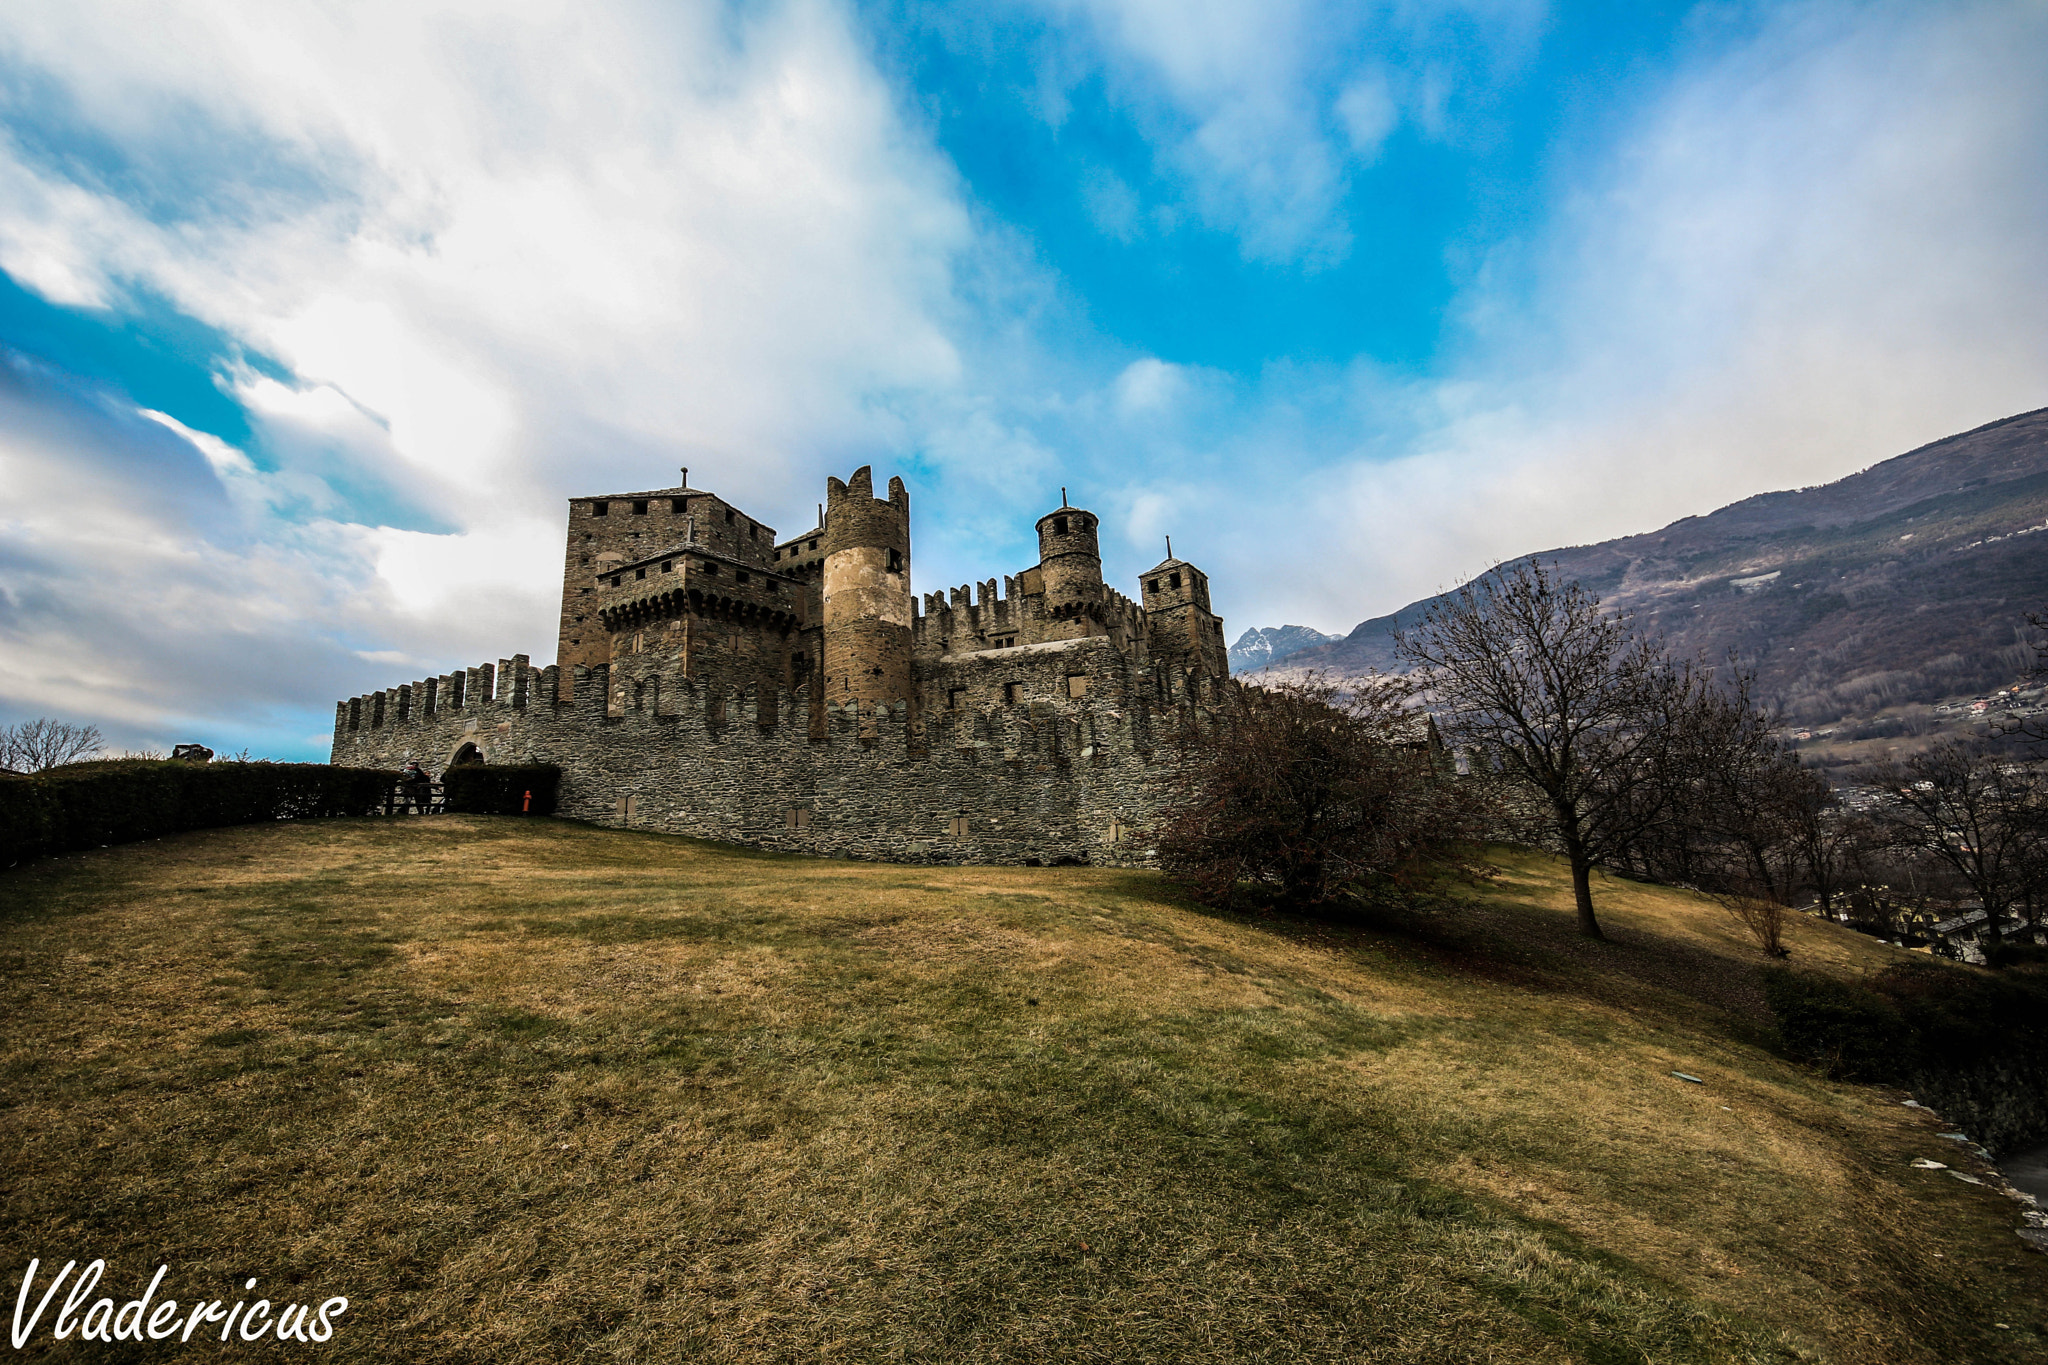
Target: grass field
point(534, 1091)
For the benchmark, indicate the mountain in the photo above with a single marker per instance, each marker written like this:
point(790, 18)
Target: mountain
point(1263, 645)
point(1879, 593)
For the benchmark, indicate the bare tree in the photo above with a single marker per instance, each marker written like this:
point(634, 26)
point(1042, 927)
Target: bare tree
point(34, 745)
point(1565, 700)
point(1825, 836)
point(1974, 811)
point(1762, 915)
point(1309, 789)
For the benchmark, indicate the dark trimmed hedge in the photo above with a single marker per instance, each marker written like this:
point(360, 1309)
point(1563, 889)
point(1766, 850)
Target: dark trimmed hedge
point(479, 789)
point(117, 801)
point(1970, 1044)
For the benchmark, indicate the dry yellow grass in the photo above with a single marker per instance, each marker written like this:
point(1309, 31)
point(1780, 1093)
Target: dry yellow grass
point(530, 1091)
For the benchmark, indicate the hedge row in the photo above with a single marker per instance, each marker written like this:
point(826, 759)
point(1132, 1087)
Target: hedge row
point(1970, 1044)
point(87, 805)
point(525, 789)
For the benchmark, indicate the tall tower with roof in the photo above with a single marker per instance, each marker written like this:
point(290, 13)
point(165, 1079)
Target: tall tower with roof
point(1070, 567)
point(1180, 629)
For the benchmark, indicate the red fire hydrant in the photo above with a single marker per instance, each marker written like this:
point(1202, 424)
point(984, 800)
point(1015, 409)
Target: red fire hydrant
point(526, 806)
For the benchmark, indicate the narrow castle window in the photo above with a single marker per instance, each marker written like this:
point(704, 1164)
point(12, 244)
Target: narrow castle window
point(752, 530)
point(1059, 526)
point(728, 516)
point(710, 568)
point(668, 566)
point(616, 578)
point(1012, 692)
point(814, 545)
point(1152, 586)
point(742, 577)
point(600, 509)
point(1173, 580)
point(953, 698)
point(639, 573)
point(679, 506)
point(639, 507)
point(895, 561)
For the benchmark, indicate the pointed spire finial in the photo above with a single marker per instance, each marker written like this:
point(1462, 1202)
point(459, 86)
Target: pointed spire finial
point(686, 476)
point(1063, 495)
point(1169, 547)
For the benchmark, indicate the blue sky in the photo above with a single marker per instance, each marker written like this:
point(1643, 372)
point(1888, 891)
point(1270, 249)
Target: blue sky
point(312, 318)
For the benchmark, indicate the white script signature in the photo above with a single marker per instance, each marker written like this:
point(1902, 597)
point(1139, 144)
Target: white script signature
point(103, 1320)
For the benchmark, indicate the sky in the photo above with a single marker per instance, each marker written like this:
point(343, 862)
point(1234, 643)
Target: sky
point(313, 317)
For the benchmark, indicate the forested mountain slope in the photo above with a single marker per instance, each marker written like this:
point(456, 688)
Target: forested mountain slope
point(1905, 583)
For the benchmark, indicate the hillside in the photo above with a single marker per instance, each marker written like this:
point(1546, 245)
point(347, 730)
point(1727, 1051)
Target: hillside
point(1895, 587)
point(533, 1091)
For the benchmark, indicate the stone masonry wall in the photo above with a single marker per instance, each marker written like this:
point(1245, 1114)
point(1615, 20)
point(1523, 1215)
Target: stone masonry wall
point(1048, 778)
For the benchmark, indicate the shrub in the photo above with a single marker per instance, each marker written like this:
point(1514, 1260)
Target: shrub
point(1972, 1045)
point(1846, 1030)
point(481, 790)
point(86, 805)
point(1309, 791)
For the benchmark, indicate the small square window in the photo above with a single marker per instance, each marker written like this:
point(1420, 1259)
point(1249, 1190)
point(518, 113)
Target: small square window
point(814, 545)
point(1012, 692)
point(639, 507)
point(953, 698)
point(710, 568)
point(1077, 685)
point(742, 577)
point(678, 506)
point(728, 516)
point(615, 579)
point(600, 509)
point(1153, 586)
point(1059, 526)
point(1173, 580)
point(668, 566)
point(639, 573)
point(957, 827)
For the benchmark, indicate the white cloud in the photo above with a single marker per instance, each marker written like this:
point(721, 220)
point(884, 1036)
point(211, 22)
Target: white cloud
point(1240, 101)
point(1817, 249)
point(501, 253)
point(1149, 385)
point(1367, 109)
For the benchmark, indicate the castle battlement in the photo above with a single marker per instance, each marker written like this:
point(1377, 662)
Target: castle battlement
point(796, 694)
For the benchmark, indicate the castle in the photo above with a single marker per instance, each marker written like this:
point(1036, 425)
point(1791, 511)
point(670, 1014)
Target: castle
point(716, 681)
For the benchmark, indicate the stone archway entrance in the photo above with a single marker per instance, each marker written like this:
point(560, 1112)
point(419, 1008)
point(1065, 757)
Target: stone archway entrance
point(465, 756)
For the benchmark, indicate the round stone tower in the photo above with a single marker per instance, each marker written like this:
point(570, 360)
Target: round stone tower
point(1071, 566)
point(868, 613)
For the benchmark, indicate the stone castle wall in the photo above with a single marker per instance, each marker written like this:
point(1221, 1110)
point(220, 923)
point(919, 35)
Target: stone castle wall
point(1041, 776)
